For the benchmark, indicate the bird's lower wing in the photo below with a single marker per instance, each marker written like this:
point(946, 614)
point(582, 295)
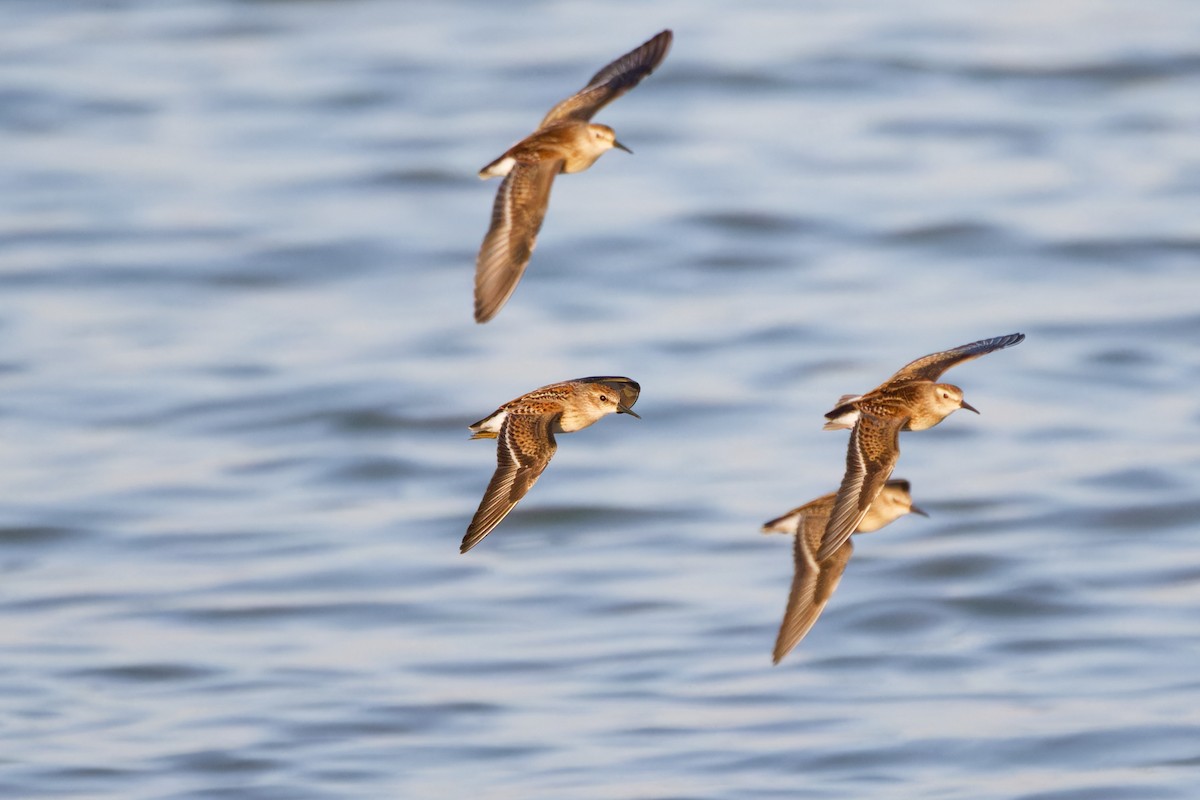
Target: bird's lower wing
point(521, 456)
point(870, 458)
point(812, 585)
point(517, 216)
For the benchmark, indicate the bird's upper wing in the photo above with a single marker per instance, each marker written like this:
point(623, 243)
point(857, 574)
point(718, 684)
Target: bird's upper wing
point(613, 81)
point(517, 217)
point(870, 458)
point(521, 456)
point(931, 367)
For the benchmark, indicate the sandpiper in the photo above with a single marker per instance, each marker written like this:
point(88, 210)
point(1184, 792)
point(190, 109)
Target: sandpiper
point(564, 142)
point(815, 580)
point(525, 430)
point(910, 400)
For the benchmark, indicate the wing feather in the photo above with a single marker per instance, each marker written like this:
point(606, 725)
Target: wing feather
point(871, 456)
point(517, 216)
point(812, 585)
point(931, 367)
point(523, 449)
point(614, 80)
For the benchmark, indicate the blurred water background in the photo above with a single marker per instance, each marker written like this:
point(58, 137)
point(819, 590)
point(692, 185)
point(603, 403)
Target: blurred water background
point(237, 363)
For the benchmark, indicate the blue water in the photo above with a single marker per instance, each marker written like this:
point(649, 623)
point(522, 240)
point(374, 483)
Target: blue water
point(237, 363)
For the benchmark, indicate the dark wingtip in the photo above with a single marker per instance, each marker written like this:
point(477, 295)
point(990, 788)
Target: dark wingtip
point(661, 43)
point(1008, 340)
point(665, 37)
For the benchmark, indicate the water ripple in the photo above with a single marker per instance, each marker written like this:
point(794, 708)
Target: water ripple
point(237, 252)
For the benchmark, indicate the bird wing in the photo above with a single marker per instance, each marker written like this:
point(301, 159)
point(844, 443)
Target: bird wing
point(523, 449)
point(793, 521)
point(812, 585)
point(613, 81)
point(517, 216)
point(870, 458)
point(931, 367)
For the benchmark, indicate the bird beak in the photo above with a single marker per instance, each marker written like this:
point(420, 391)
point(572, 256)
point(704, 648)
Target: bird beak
point(627, 150)
point(915, 510)
point(624, 409)
point(969, 407)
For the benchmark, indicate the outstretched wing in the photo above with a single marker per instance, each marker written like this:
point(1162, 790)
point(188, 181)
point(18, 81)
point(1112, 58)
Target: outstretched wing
point(812, 585)
point(523, 449)
point(517, 217)
point(931, 367)
point(613, 81)
point(870, 458)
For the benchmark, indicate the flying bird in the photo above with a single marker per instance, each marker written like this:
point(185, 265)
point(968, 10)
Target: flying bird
point(565, 141)
point(524, 431)
point(815, 580)
point(910, 400)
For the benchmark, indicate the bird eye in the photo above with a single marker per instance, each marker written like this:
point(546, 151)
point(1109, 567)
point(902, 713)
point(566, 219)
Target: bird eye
point(603, 398)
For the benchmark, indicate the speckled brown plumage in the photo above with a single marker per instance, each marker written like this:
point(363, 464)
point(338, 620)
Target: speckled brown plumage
point(909, 400)
point(564, 142)
point(524, 429)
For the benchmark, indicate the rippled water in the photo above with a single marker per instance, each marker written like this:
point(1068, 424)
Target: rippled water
point(236, 257)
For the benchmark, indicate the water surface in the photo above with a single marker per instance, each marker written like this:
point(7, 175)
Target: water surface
point(238, 362)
